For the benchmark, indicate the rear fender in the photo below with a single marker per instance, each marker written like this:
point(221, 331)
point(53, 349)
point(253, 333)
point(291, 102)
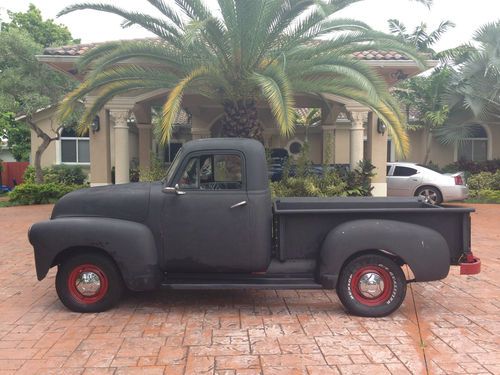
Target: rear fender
point(424, 250)
point(130, 244)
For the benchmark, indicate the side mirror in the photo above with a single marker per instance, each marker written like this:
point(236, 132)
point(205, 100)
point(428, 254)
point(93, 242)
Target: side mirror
point(175, 189)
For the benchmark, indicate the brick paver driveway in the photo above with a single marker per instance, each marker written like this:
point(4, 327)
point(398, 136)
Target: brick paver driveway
point(451, 326)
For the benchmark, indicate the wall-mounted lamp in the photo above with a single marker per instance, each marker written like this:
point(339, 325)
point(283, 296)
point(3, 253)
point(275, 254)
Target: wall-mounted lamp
point(96, 124)
point(381, 127)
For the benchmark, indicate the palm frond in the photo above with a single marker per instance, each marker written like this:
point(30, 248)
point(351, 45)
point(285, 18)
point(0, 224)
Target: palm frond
point(151, 52)
point(155, 25)
point(168, 12)
point(436, 35)
point(174, 100)
point(397, 28)
point(106, 95)
point(85, 61)
point(278, 93)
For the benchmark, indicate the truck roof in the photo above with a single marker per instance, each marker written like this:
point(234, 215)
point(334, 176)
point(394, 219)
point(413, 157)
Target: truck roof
point(242, 144)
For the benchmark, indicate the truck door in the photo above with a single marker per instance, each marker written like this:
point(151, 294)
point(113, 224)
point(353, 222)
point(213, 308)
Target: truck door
point(206, 221)
point(403, 181)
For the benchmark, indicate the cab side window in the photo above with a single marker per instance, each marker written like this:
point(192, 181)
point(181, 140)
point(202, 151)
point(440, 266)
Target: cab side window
point(213, 172)
point(404, 171)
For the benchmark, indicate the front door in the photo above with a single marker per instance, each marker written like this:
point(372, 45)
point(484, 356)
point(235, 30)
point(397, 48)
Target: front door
point(207, 228)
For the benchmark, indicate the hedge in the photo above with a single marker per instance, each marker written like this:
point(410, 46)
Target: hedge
point(28, 193)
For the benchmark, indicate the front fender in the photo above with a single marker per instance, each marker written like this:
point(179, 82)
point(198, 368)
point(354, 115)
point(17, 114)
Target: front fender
point(130, 244)
point(423, 249)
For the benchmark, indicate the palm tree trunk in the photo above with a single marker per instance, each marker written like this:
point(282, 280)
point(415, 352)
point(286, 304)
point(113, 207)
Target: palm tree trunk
point(427, 147)
point(241, 120)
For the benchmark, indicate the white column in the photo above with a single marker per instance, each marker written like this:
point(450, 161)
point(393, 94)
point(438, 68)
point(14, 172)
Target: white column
point(122, 154)
point(356, 140)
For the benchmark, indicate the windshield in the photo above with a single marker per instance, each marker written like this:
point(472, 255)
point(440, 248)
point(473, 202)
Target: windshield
point(173, 166)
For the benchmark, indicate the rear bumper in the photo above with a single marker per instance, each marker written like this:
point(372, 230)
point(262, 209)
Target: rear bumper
point(471, 266)
point(455, 193)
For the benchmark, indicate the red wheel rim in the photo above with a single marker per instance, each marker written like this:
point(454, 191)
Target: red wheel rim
point(82, 274)
point(375, 271)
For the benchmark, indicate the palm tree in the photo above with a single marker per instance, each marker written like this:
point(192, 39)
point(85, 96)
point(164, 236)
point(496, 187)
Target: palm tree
point(473, 91)
point(307, 117)
point(420, 37)
point(422, 98)
point(475, 86)
point(238, 54)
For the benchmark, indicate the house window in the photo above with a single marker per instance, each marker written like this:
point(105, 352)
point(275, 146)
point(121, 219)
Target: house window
point(475, 147)
point(74, 148)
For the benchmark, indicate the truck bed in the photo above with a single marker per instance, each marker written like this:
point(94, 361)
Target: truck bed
point(301, 224)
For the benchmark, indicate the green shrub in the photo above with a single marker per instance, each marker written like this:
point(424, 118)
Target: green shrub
point(484, 181)
point(473, 167)
point(332, 183)
point(484, 196)
point(59, 174)
point(329, 185)
point(29, 193)
point(156, 172)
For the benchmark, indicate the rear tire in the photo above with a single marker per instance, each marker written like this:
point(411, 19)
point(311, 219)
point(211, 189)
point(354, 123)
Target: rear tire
point(371, 285)
point(430, 195)
point(89, 282)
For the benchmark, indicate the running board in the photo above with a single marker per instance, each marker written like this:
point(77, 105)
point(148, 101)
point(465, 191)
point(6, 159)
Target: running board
point(239, 282)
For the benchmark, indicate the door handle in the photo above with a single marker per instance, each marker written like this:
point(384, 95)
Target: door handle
point(239, 204)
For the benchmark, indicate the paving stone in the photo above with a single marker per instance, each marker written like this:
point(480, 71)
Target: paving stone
point(248, 332)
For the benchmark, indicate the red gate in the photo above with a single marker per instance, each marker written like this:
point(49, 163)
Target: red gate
point(13, 172)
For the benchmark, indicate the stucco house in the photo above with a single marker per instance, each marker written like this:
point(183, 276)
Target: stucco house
point(122, 136)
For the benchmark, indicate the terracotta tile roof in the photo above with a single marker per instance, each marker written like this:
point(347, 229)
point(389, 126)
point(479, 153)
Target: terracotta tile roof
point(379, 55)
point(80, 49)
point(73, 50)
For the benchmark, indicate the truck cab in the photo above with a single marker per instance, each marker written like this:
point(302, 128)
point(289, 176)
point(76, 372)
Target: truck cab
point(222, 195)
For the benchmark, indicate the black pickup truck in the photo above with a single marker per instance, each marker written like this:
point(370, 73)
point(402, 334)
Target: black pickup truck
point(213, 225)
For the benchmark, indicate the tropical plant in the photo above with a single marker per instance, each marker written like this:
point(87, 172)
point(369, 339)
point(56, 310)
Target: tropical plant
point(241, 53)
point(422, 99)
point(307, 117)
point(421, 38)
point(473, 93)
point(475, 86)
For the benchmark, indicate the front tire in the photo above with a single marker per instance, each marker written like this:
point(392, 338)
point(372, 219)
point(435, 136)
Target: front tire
point(89, 283)
point(372, 286)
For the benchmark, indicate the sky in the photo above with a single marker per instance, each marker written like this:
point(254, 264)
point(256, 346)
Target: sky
point(92, 26)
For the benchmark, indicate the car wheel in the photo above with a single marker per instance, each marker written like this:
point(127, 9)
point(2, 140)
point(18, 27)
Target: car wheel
point(89, 283)
point(430, 195)
point(371, 285)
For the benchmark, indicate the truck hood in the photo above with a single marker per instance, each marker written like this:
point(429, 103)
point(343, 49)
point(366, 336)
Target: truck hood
point(126, 202)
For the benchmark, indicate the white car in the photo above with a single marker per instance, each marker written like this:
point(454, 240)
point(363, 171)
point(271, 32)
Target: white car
point(410, 179)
